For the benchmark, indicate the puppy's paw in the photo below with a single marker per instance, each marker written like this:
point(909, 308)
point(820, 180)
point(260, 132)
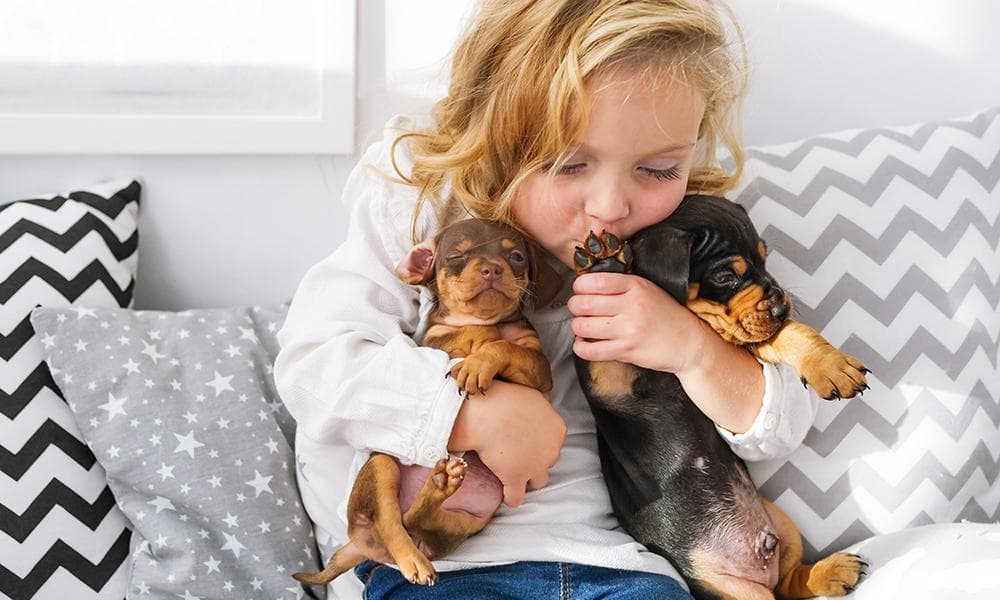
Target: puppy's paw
point(475, 374)
point(415, 568)
point(448, 475)
point(604, 253)
point(833, 374)
point(837, 574)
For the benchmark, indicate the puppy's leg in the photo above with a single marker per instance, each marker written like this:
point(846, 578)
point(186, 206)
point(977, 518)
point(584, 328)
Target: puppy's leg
point(835, 575)
point(440, 530)
point(371, 510)
point(513, 362)
point(344, 559)
point(388, 523)
point(829, 371)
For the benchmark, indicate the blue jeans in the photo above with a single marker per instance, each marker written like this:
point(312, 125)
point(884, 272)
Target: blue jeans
point(522, 581)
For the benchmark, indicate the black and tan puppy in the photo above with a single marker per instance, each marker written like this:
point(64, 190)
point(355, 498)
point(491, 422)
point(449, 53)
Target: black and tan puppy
point(481, 274)
point(681, 491)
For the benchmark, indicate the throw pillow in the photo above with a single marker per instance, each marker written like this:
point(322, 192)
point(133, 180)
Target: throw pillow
point(947, 561)
point(61, 535)
point(889, 240)
point(181, 410)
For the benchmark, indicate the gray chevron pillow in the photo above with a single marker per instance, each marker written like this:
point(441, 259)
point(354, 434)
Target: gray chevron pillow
point(890, 241)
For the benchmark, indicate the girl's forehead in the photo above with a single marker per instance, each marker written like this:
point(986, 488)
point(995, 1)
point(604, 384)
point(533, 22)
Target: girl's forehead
point(630, 114)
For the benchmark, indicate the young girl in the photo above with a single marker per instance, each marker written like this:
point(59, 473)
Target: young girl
point(562, 117)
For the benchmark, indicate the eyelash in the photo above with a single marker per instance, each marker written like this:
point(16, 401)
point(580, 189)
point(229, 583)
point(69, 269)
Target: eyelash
point(670, 174)
point(662, 174)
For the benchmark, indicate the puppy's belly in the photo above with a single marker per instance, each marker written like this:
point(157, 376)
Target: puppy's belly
point(480, 493)
point(738, 547)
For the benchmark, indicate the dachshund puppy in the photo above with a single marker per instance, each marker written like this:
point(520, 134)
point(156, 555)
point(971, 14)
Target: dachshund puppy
point(482, 273)
point(681, 491)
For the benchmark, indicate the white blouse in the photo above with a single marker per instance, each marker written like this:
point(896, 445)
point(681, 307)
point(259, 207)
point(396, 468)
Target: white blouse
point(351, 374)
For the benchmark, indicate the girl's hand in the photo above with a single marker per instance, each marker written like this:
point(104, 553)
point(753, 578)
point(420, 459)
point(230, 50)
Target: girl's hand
point(628, 319)
point(516, 432)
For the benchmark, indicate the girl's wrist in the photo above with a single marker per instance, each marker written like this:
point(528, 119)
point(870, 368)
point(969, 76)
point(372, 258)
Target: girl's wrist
point(463, 432)
point(702, 350)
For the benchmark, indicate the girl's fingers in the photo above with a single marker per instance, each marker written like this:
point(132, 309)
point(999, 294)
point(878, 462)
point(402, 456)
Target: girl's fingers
point(513, 494)
point(596, 351)
point(539, 481)
point(594, 305)
point(593, 328)
point(601, 283)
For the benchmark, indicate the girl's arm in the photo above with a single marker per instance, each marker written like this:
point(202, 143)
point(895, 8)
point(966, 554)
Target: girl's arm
point(348, 369)
point(629, 319)
point(760, 409)
point(351, 375)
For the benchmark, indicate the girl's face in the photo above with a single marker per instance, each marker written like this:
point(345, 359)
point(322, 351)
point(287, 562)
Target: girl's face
point(628, 170)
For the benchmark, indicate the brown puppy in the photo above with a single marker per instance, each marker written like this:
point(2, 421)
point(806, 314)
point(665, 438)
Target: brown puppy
point(682, 492)
point(481, 274)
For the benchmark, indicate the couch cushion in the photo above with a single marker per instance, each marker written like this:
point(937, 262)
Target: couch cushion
point(889, 239)
point(61, 535)
point(181, 410)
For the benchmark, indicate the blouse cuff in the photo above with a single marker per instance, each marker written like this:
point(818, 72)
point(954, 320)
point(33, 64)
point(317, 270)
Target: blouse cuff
point(433, 445)
point(773, 433)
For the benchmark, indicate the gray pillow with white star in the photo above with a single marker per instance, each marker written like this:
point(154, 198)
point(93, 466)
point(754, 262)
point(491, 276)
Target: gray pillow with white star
point(181, 411)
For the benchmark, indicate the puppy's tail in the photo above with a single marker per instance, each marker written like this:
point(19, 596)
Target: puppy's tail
point(344, 559)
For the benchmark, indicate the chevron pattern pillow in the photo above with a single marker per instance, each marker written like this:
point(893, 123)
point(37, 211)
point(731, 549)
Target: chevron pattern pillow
point(890, 241)
point(61, 534)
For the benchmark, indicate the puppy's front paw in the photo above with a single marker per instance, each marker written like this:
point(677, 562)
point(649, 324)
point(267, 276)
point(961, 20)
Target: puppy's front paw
point(474, 374)
point(834, 375)
point(603, 253)
point(837, 574)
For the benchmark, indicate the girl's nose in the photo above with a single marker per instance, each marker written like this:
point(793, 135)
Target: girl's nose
point(608, 203)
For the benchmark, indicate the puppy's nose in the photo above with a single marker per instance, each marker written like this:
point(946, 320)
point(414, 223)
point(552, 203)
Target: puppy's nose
point(490, 271)
point(779, 311)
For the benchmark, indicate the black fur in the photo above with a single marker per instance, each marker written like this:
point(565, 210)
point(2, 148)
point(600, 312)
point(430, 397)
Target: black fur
point(649, 443)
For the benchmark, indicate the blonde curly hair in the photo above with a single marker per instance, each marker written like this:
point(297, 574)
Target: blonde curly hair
point(518, 77)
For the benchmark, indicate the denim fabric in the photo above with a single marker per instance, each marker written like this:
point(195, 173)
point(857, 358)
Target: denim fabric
point(523, 581)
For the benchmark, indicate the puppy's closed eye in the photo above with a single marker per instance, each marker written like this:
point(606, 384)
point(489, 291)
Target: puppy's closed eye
point(725, 278)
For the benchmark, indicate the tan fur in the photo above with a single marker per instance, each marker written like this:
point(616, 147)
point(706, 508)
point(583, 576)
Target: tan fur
point(826, 369)
point(739, 265)
point(509, 348)
point(744, 321)
point(835, 575)
point(612, 379)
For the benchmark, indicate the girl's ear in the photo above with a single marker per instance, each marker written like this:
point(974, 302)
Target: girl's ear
point(545, 283)
point(417, 267)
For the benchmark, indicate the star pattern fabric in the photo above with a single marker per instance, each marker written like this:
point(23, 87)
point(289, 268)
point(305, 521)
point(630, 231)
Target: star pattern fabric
point(181, 411)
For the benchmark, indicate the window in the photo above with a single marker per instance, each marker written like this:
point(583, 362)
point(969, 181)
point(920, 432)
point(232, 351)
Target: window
point(177, 76)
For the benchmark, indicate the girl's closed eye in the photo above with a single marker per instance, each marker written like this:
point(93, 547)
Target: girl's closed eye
point(671, 174)
point(571, 168)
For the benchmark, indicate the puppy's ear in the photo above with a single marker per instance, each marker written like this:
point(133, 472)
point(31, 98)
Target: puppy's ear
point(417, 267)
point(544, 282)
point(663, 256)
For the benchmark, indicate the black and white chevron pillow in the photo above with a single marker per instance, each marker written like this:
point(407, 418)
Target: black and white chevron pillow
point(61, 533)
point(890, 241)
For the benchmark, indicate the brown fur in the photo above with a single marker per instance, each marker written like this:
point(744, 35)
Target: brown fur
point(487, 330)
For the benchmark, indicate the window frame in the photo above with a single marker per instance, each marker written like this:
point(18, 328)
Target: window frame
point(330, 131)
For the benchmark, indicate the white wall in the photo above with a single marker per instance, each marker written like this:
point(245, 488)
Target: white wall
point(220, 230)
